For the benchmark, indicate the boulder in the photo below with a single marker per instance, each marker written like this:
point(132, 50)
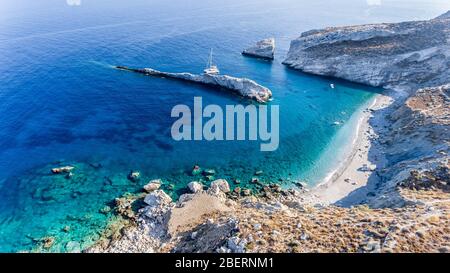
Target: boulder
point(153, 185)
point(220, 184)
point(195, 186)
point(134, 176)
point(157, 198)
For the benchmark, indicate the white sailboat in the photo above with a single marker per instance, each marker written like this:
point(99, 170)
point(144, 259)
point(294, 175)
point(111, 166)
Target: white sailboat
point(210, 68)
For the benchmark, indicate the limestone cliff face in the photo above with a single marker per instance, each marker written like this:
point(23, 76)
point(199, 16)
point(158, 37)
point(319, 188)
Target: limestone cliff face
point(408, 55)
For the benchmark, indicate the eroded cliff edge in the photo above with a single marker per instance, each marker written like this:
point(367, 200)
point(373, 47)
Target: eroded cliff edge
point(408, 55)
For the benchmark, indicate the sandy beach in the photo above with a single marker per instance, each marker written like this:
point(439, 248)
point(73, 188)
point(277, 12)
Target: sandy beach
point(354, 172)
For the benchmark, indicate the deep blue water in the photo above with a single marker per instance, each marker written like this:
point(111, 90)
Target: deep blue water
point(61, 102)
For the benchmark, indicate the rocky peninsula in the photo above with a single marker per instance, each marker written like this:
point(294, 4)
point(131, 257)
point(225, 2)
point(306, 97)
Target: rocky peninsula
point(408, 55)
point(264, 49)
point(243, 86)
point(399, 203)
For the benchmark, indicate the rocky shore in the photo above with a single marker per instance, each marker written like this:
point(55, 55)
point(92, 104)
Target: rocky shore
point(401, 201)
point(243, 86)
point(272, 220)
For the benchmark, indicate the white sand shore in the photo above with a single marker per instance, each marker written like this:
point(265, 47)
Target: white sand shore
point(351, 173)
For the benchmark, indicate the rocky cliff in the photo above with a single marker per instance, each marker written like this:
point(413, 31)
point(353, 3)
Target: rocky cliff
point(416, 146)
point(408, 55)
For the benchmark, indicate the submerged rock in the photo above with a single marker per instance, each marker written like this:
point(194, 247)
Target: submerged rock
point(209, 172)
point(96, 165)
point(69, 175)
point(73, 247)
point(196, 170)
point(209, 177)
point(47, 242)
point(263, 49)
point(134, 176)
point(105, 210)
point(66, 169)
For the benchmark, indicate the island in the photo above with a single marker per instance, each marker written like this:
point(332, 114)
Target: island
point(264, 49)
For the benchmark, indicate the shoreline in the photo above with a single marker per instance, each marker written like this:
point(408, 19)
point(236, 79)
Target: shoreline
point(348, 176)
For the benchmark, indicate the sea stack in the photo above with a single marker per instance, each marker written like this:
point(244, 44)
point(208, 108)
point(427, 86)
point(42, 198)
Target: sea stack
point(264, 49)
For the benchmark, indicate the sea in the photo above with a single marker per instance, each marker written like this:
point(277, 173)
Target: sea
point(62, 103)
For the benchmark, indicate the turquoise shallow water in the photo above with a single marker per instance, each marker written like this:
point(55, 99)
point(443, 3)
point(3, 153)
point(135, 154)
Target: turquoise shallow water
point(61, 103)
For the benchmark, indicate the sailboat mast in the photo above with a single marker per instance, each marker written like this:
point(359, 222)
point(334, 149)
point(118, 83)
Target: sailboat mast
point(210, 58)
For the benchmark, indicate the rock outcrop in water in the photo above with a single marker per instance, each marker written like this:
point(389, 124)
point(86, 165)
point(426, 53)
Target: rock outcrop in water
point(243, 86)
point(407, 55)
point(264, 49)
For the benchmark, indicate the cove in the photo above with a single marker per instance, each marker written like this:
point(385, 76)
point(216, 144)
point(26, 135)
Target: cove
point(62, 103)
